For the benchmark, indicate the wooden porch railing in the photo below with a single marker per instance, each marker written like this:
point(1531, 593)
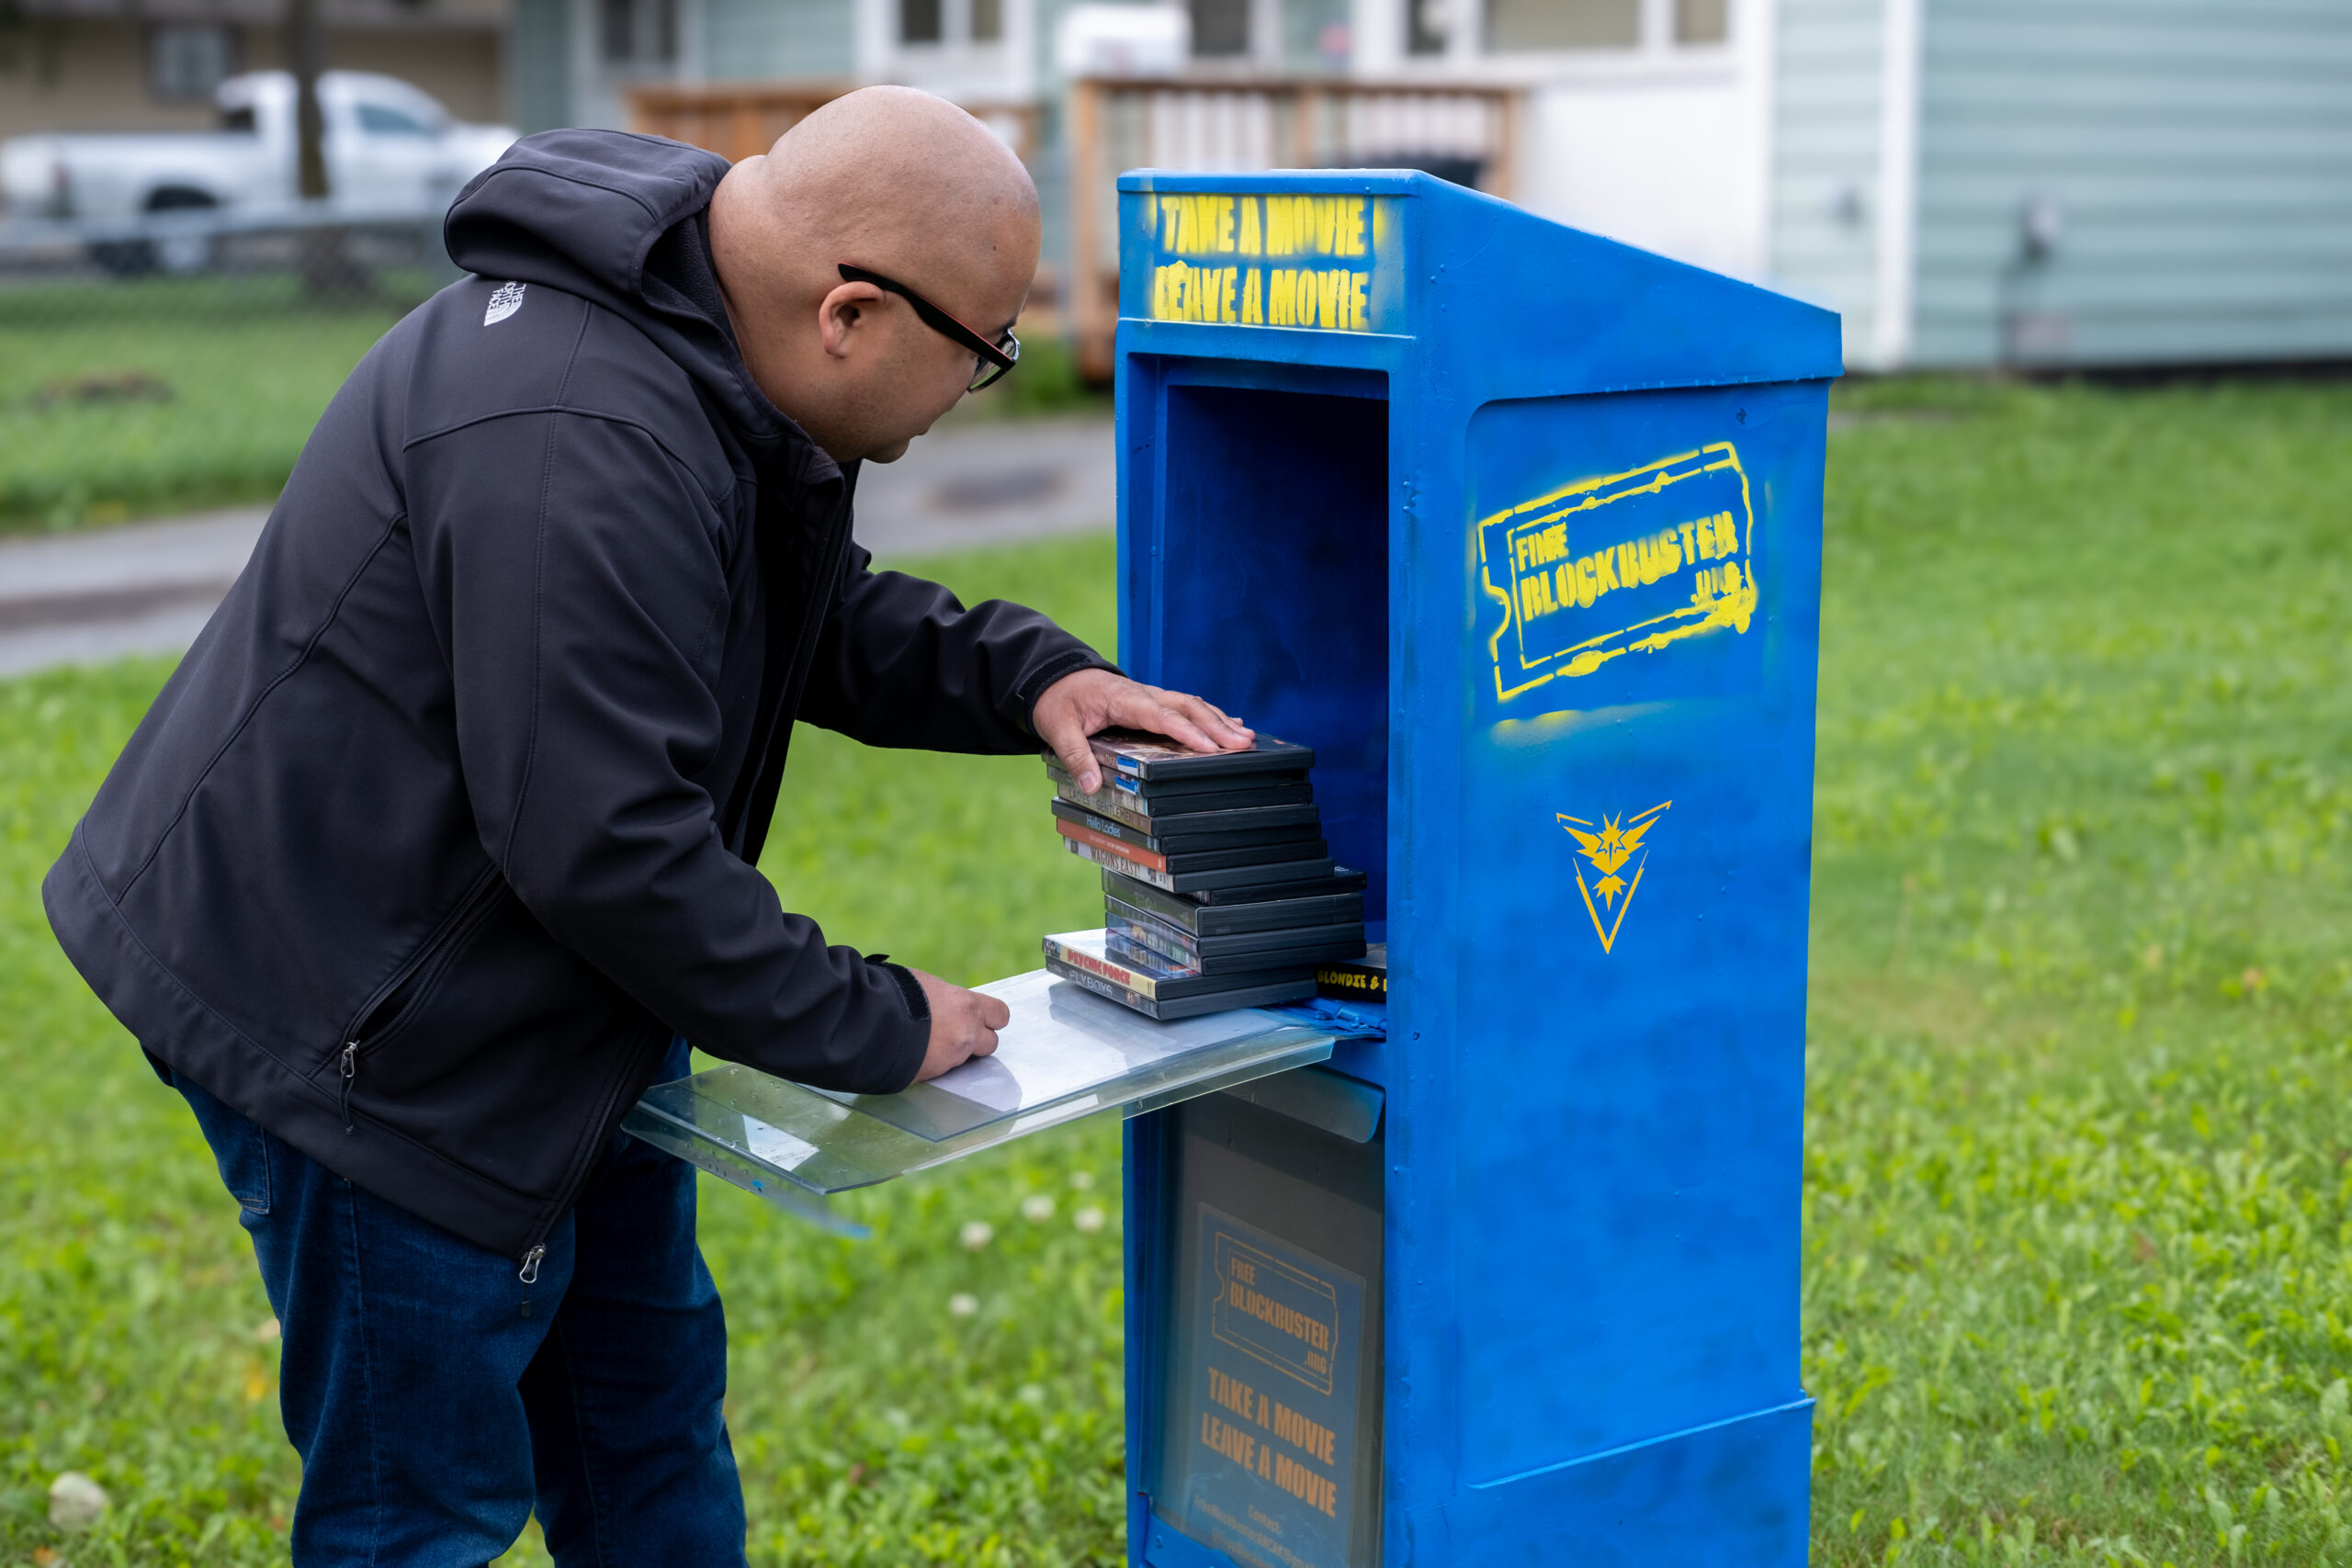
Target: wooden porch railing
point(1469, 131)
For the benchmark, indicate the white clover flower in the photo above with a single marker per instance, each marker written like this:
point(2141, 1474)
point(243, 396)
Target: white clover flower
point(75, 1500)
point(976, 1235)
point(1038, 1209)
point(1089, 1219)
point(963, 1303)
point(1081, 1180)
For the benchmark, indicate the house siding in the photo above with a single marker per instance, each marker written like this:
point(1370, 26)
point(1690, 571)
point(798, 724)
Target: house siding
point(2198, 155)
point(539, 65)
point(778, 39)
point(1825, 162)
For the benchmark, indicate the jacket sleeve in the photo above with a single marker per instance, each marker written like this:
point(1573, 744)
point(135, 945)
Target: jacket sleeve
point(575, 574)
point(901, 663)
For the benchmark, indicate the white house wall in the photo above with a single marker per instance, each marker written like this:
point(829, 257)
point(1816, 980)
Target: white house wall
point(1670, 162)
point(1666, 146)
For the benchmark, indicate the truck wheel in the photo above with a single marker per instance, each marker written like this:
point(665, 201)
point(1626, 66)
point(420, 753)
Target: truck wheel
point(181, 254)
point(124, 258)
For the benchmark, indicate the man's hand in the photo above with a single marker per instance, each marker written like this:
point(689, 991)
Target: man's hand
point(963, 1025)
point(1074, 706)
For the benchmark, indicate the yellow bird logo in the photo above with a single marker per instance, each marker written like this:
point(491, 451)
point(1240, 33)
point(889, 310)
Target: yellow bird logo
point(1609, 844)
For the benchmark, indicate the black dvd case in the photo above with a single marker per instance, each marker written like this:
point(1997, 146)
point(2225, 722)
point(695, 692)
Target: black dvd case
point(1190, 1007)
point(1154, 759)
point(1182, 835)
point(1233, 954)
point(1322, 905)
point(1208, 881)
point(1215, 793)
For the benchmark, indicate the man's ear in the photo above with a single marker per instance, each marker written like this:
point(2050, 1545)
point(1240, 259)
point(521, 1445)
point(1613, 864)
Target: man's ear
point(848, 309)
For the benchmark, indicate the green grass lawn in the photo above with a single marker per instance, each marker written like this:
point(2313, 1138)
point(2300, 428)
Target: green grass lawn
point(2078, 1272)
point(130, 399)
point(140, 397)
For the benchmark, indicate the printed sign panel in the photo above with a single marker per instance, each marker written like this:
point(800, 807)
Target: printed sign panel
point(1281, 1332)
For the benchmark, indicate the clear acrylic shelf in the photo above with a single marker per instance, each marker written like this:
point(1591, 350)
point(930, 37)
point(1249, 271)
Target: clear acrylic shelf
point(1065, 1054)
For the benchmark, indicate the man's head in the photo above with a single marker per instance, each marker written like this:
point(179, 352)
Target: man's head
point(899, 184)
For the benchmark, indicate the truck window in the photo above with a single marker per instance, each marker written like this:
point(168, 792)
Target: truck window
point(382, 119)
point(239, 119)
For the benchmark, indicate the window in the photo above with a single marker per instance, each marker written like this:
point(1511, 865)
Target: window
point(239, 121)
point(949, 23)
point(1427, 26)
point(921, 21)
point(634, 32)
point(190, 62)
point(1220, 28)
point(1516, 25)
point(1701, 21)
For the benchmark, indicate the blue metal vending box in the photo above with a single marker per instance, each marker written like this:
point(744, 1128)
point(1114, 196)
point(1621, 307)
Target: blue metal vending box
point(1521, 530)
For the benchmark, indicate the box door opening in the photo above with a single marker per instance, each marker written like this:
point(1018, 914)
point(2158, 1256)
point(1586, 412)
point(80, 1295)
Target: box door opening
point(1271, 593)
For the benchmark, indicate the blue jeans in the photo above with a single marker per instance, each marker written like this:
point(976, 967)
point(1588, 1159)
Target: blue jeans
point(436, 1400)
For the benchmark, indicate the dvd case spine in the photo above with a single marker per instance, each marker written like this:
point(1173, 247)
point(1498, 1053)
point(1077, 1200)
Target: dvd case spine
point(1189, 1007)
point(1152, 935)
point(1102, 988)
point(1118, 974)
point(1204, 882)
point(1187, 835)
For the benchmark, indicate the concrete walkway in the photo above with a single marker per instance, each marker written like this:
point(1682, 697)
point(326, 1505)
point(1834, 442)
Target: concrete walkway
point(149, 587)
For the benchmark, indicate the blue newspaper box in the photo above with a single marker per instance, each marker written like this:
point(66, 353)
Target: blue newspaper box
point(1521, 530)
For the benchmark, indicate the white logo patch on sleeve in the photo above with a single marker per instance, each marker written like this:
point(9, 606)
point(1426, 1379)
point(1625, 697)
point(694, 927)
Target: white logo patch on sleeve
point(504, 300)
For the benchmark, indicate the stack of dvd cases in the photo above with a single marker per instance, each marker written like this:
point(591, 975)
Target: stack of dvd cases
point(1218, 889)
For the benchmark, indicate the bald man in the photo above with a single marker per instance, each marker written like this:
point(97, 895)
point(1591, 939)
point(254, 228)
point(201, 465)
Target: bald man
point(438, 847)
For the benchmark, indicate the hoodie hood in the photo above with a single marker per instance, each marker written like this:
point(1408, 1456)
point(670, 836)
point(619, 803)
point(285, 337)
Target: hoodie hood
point(620, 220)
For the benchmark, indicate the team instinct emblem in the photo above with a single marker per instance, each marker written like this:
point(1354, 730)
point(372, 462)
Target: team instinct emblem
point(1611, 845)
point(504, 300)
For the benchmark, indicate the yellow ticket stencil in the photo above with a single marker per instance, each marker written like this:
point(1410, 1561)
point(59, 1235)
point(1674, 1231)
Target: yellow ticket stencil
point(1623, 563)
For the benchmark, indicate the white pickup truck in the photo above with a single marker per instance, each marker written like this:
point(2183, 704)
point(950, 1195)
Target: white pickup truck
point(391, 152)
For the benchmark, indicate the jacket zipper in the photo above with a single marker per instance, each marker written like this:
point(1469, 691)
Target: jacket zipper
point(788, 696)
point(570, 1192)
point(458, 920)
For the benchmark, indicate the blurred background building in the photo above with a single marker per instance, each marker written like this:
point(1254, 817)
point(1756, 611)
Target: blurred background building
point(2032, 184)
point(89, 65)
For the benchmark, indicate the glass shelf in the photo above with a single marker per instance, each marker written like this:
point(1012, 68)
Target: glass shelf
point(1065, 1054)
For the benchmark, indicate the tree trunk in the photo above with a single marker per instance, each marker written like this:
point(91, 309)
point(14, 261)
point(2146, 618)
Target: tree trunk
point(327, 272)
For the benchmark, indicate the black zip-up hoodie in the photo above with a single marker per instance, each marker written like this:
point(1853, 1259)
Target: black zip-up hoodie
point(448, 818)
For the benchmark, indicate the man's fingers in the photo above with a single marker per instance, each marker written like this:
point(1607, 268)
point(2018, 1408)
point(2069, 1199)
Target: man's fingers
point(1077, 758)
point(1229, 733)
point(993, 1012)
point(985, 1046)
point(1154, 714)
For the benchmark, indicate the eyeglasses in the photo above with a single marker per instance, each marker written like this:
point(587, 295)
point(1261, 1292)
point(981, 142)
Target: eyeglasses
point(994, 359)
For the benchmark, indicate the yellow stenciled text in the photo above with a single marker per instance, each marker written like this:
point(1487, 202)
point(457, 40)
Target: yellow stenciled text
point(1332, 298)
point(1549, 579)
point(1211, 224)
